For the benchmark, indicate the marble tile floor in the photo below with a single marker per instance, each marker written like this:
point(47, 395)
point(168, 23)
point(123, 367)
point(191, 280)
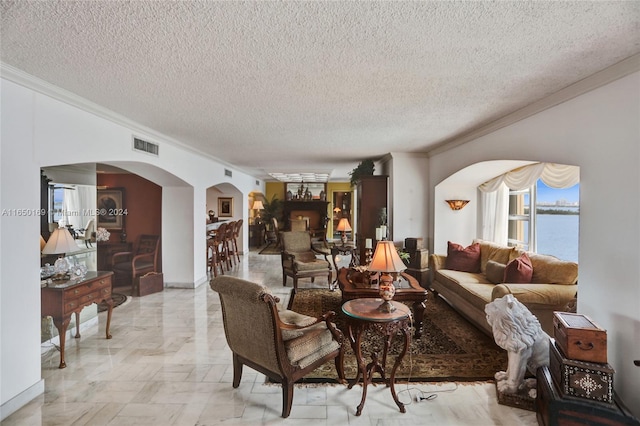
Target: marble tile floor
point(168, 364)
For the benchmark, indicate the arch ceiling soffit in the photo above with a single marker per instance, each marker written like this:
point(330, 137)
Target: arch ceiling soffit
point(150, 172)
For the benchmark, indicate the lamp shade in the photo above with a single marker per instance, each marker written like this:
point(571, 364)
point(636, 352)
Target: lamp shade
point(42, 243)
point(257, 205)
point(343, 225)
point(60, 242)
point(386, 258)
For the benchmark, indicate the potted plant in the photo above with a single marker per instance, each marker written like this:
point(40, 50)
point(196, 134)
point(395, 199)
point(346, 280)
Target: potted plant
point(272, 209)
point(365, 168)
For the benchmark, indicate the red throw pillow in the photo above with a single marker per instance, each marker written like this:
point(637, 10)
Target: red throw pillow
point(519, 270)
point(463, 259)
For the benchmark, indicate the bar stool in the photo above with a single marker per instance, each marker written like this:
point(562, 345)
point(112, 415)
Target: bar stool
point(221, 254)
point(213, 255)
point(228, 243)
point(236, 234)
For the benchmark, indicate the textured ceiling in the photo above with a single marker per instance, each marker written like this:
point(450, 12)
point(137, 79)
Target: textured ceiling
point(314, 86)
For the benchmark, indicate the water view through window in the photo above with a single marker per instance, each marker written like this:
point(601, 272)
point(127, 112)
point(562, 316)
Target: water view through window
point(557, 221)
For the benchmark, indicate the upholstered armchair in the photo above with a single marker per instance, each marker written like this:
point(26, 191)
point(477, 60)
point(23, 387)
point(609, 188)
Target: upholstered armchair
point(128, 265)
point(281, 344)
point(299, 259)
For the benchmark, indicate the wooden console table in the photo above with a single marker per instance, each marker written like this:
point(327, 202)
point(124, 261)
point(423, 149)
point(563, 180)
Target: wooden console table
point(63, 298)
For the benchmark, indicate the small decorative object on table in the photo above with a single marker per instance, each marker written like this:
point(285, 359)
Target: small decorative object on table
point(102, 234)
point(386, 261)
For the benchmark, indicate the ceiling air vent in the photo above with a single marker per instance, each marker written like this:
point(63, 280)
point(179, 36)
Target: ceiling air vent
point(227, 172)
point(144, 146)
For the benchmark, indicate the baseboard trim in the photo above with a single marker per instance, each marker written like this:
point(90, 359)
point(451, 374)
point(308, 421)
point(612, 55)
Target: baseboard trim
point(189, 285)
point(22, 399)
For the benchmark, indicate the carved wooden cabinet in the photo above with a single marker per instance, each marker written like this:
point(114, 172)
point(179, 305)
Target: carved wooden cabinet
point(372, 196)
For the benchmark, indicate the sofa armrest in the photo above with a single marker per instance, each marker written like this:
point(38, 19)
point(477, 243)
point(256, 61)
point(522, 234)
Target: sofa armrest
point(437, 261)
point(552, 295)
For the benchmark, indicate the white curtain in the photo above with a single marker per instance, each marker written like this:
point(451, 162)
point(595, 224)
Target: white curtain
point(553, 175)
point(494, 194)
point(78, 202)
point(494, 215)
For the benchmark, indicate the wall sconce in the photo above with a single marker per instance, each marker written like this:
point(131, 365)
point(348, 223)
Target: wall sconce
point(457, 204)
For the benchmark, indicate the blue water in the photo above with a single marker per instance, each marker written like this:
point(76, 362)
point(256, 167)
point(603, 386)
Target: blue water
point(558, 235)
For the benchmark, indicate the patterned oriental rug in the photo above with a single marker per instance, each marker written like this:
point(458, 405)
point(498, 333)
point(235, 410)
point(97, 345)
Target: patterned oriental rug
point(118, 299)
point(450, 349)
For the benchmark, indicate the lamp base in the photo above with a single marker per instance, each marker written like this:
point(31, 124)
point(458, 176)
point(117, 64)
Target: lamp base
point(386, 307)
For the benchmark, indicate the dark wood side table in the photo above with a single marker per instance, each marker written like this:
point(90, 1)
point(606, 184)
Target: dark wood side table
point(362, 314)
point(353, 286)
point(63, 298)
point(344, 250)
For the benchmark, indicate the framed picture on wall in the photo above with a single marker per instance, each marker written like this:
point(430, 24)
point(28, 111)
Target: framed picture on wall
point(110, 208)
point(225, 207)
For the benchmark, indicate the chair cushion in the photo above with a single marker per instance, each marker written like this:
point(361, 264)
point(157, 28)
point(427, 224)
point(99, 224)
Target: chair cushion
point(294, 318)
point(305, 256)
point(314, 265)
point(315, 342)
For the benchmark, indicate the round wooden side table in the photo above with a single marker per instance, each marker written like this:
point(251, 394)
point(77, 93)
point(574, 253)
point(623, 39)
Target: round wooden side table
point(362, 315)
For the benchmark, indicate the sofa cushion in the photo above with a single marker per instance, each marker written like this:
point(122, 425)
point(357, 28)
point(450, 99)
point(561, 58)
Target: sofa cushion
point(519, 270)
point(495, 271)
point(463, 259)
point(492, 251)
point(551, 270)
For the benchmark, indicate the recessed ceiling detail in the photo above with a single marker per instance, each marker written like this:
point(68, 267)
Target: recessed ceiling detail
point(300, 177)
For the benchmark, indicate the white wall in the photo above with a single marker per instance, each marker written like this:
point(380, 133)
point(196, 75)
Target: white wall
point(409, 185)
point(600, 132)
point(39, 131)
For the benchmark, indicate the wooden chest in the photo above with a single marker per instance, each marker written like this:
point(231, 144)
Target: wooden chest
point(580, 338)
point(587, 380)
point(553, 409)
point(153, 282)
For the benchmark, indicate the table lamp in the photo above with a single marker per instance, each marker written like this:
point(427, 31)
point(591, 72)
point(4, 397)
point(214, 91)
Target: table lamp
point(343, 227)
point(60, 242)
point(386, 261)
point(257, 205)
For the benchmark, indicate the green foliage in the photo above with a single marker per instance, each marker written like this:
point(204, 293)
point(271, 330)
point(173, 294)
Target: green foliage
point(404, 256)
point(365, 168)
point(272, 209)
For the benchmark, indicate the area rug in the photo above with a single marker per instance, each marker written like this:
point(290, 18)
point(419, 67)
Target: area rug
point(270, 248)
point(118, 299)
point(450, 349)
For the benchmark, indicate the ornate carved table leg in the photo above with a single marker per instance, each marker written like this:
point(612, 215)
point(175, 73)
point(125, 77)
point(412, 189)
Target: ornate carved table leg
point(392, 379)
point(62, 324)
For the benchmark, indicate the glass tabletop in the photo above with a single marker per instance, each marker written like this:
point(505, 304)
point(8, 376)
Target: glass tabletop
point(367, 309)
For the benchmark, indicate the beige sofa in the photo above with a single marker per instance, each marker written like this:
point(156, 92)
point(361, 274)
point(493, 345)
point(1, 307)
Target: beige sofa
point(553, 286)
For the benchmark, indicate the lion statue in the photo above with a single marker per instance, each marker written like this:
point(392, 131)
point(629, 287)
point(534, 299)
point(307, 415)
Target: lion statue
point(518, 331)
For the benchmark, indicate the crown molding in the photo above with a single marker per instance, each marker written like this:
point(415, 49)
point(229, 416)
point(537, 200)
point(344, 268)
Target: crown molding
point(587, 84)
point(43, 87)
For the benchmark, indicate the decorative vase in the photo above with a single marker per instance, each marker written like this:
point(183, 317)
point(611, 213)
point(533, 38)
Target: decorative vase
point(386, 290)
